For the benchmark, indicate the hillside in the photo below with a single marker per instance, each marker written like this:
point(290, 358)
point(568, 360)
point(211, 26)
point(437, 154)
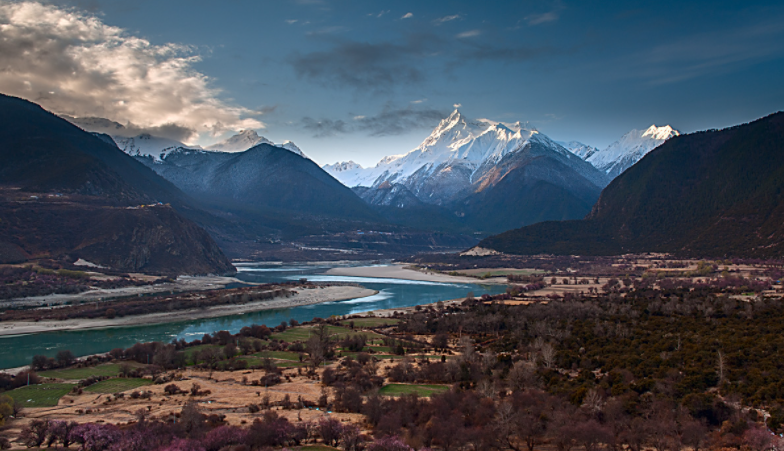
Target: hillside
point(712, 193)
point(78, 195)
point(266, 184)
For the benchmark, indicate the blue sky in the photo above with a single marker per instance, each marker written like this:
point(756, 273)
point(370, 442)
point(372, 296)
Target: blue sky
point(362, 79)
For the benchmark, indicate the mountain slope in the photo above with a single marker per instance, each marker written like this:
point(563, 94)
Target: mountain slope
point(456, 159)
point(266, 184)
point(41, 153)
point(490, 177)
point(711, 193)
point(622, 154)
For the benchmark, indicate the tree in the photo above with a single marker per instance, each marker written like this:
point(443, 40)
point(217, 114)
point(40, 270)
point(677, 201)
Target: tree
point(6, 408)
point(35, 433)
point(389, 443)
point(191, 418)
point(330, 430)
point(318, 344)
point(40, 362)
point(440, 341)
point(548, 354)
point(65, 357)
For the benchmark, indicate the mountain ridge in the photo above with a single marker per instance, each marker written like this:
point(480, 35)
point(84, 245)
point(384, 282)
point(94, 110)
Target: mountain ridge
point(715, 193)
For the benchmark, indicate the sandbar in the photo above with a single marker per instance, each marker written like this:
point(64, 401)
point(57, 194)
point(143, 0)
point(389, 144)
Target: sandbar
point(400, 271)
point(303, 296)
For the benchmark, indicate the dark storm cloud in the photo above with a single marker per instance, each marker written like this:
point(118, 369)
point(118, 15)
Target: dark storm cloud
point(390, 121)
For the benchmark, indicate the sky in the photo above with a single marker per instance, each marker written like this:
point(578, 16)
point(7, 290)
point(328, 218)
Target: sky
point(359, 80)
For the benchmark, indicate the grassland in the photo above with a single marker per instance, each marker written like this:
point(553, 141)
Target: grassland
point(109, 369)
point(370, 322)
point(303, 333)
point(117, 385)
point(405, 389)
point(41, 395)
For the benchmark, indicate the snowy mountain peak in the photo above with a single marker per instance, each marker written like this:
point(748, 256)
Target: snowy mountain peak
point(146, 145)
point(583, 151)
point(457, 142)
point(242, 141)
point(660, 133)
point(628, 150)
point(291, 147)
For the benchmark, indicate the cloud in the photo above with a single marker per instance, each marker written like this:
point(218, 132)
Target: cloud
point(469, 34)
point(72, 63)
point(407, 15)
point(419, 101)
point(445, 19)
point(291, 21)
point(536, 19)
point(397, 121)
point(457, 105)
point(363, 65)
point(390, 121)
point(324, 127)
point(103, 125)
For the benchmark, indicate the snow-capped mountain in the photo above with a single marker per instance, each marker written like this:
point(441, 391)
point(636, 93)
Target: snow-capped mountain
point(348, 173)
point(145, 145)
point(243, 140)
point(291, 147)
point(583, 151)
point(622, 154)
point(456, 158)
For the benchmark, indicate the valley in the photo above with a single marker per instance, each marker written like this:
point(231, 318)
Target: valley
point(518, 226)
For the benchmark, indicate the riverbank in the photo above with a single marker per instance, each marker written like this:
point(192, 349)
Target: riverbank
point(303, 296)
point(180, 285)
point(401, 271)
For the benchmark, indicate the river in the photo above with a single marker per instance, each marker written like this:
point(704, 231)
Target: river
point(18, 350)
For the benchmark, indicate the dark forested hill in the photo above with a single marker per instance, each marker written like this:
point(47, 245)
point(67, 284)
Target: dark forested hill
point(69, 194)
point(713, 193)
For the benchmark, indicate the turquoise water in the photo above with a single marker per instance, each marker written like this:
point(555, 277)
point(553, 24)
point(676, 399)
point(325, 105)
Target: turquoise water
point(392, 293)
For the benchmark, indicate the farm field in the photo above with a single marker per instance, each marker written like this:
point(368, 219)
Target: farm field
point(117, 385)
point(370, 322)
point(406, 389)
point(41, 395)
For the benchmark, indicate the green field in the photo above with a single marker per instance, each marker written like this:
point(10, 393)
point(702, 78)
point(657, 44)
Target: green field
point(42, 395)
point(405, 389)
point(117, 385)
point(370, 322)
point(303, 333)
point(314, 448)
point(110, 369)
point(280, 355)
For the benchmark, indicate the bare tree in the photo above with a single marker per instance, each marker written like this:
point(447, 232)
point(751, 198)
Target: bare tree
point(548, 354)
point(720, 366)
